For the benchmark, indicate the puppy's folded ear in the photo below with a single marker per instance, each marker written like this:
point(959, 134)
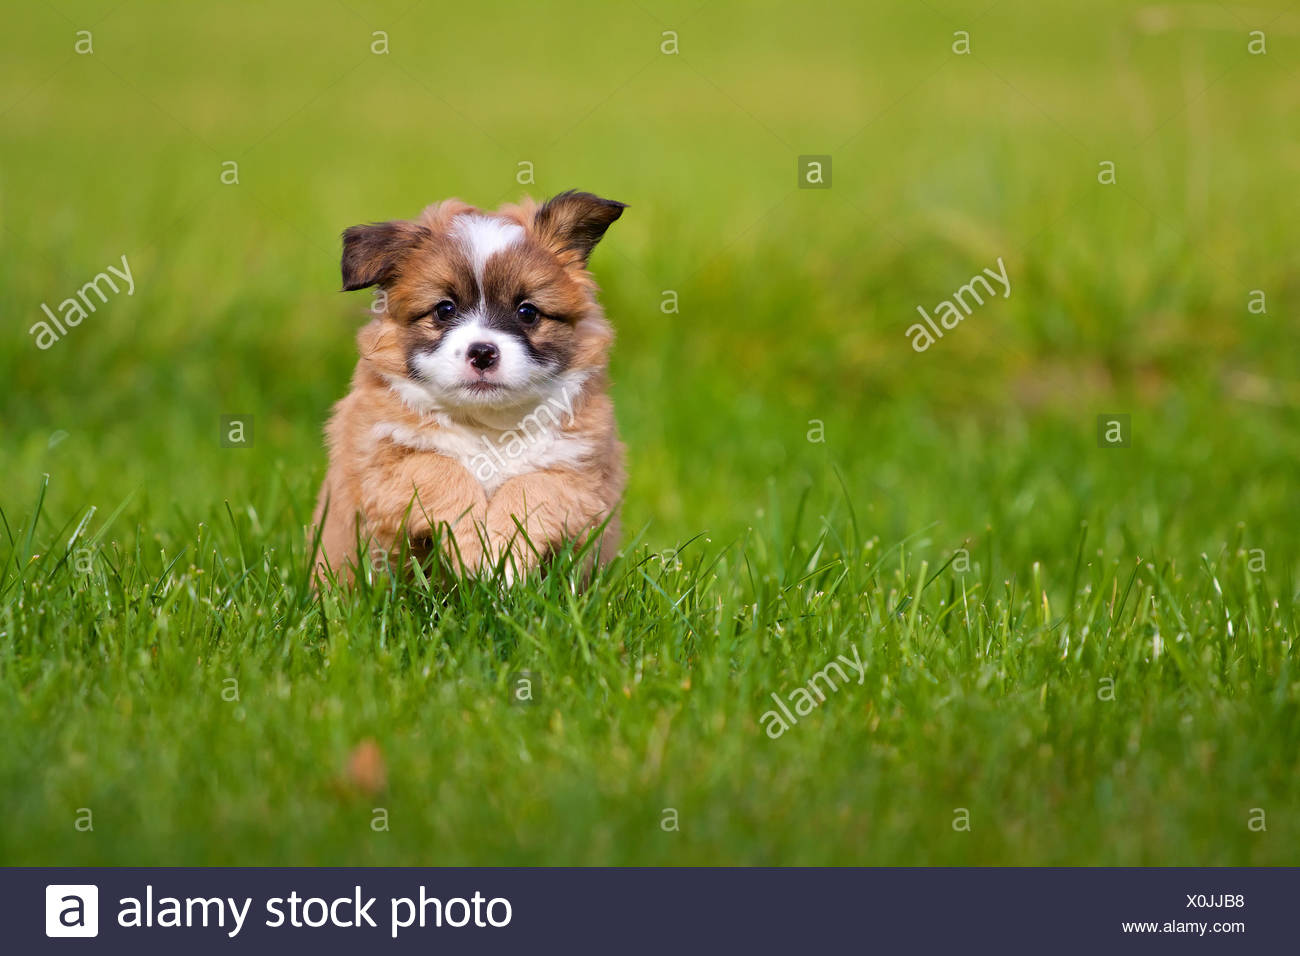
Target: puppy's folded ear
point(372, 253)
point(573, 222)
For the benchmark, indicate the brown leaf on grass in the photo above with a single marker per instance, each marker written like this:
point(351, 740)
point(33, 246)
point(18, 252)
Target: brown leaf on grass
point(366, 771)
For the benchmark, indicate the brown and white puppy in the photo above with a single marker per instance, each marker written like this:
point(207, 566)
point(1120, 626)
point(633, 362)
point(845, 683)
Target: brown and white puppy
point(480, 403)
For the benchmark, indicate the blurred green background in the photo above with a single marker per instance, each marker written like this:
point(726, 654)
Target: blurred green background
point(792, 310)
point(793, 303)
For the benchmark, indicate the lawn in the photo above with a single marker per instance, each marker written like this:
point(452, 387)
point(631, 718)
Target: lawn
point(1072, 650)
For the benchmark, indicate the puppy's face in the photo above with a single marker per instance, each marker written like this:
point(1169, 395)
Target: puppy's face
point(484, 310)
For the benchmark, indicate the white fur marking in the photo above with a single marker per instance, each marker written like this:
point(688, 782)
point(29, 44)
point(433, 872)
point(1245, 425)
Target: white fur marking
point(484, 236)
point(448, 366)
point(514, 442)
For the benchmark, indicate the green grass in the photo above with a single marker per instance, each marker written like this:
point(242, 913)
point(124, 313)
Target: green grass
point(1092, 650)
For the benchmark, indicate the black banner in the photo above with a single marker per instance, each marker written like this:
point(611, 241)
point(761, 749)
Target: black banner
point(648, 910)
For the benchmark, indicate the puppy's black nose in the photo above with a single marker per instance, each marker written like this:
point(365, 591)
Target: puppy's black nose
point(483, 355)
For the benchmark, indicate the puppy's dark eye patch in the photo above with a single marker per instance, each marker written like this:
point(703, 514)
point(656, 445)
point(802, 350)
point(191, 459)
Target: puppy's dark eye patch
point(532, 307)
point(443, 312)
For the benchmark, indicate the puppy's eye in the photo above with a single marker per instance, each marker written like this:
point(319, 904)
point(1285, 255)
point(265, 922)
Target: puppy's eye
point(444, 310)
point(527, 313)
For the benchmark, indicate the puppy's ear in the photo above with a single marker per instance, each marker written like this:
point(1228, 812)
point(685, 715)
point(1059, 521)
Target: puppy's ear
point(371, 253)
point(571, 223)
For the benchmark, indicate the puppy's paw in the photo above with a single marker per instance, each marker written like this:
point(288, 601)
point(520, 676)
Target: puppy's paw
point(510, 556)
point(509, 576)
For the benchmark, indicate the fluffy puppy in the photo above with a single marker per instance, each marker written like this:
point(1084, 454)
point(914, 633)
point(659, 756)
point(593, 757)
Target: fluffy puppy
point(479, 414)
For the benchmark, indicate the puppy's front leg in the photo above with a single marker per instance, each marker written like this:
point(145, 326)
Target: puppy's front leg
point(419, 492)
point(551, 506)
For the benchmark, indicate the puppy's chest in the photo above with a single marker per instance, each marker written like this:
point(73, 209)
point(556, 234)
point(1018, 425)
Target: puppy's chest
point(492, 456)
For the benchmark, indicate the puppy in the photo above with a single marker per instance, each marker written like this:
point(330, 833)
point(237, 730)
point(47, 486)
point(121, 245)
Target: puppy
point(479, 418)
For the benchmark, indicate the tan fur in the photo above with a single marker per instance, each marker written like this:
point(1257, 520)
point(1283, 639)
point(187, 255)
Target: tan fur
point(388, 495)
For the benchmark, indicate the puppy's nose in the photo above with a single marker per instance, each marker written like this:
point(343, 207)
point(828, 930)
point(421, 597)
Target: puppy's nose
point(483, 355)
